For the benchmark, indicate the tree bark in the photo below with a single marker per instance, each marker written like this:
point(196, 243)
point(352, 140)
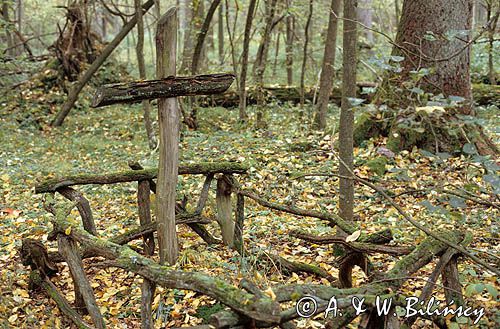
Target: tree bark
point(168, 118)
point(261, 61)
point(202, 168)
point(244, 61)
point(304, 54)
point(202, 34)
point(346, 186)
point(85, 78)
point(142, 74)
point(220, 34)
point(289, 45)
point(131, 92)
point(327, 70)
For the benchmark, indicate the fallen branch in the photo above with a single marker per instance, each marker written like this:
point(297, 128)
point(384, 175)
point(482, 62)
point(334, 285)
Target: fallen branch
point(361, 247)
point(262, 309)
point(63, 304)
point(205, 168)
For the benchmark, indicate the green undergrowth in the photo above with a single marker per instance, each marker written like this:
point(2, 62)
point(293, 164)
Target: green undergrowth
point(104, 140)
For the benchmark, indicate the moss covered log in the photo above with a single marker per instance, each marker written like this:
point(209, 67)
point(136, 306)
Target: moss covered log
point(261, 308)
point(203, 168)
point(132, 92)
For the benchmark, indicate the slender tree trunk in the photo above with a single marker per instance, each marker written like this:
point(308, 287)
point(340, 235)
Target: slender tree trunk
point(231, 43)
point(7, 30)
point(261, 61)
point(142, 74)
point(202, 34)
point(491, 40)
point(365, 14)
point(96, 64)
point(244, 61)
point(194, 14)
point(20, 15)
point(397, 11)
point(327, 70)
point(346, 186)
point(289, 46)
point(276, 53)
point(220, 34)
point(304, 54)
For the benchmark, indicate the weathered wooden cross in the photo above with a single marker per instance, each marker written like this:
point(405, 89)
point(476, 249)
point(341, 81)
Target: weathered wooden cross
point(166, 89)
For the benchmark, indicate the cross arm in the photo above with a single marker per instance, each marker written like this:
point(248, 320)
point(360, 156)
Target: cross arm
point(132, 92)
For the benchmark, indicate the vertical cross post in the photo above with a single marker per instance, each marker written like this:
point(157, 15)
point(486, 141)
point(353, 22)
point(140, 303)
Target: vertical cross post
point(168, 119)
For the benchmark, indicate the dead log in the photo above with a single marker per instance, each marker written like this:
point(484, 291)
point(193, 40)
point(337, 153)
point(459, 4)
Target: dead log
point(205, 168)
point(147, 287)
point(132, 92)
point(83, 207)
point(262, 309)
point(68, 249)
point(34, 254)
point(278, 93)
point(51, 290)
point(361, 247)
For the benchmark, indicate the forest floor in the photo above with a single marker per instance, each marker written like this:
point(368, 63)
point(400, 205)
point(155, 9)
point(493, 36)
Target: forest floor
point(104, 140)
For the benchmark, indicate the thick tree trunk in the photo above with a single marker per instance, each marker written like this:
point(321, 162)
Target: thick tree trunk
point(327, 71)
point(346, 186)
point(434, 40)
point(142, 74)
point(244, 61)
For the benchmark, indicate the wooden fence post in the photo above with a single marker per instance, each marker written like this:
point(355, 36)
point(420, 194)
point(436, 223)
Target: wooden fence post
point(224, 210)
point(168, 119)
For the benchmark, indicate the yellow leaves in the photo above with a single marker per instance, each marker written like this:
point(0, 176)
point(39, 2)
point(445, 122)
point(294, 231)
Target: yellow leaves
point(269, 292)
point(68, 230)
point(12, 318)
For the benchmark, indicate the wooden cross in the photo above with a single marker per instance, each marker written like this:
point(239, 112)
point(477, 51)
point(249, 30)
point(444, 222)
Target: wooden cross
point(165, 89)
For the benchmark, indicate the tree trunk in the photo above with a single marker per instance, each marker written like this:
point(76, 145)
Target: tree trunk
point(304, 54)
point(346, 186)
point(142, 74)
point(220, 34)
point(365, 14)
point(96, 64)
point(289, 46)
point(202, 34)
point(244, 61)
point(196, 16)
point(493, 21)
point(434, 40)
point(328, 70)
point(8, 34)
point(261, 61)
